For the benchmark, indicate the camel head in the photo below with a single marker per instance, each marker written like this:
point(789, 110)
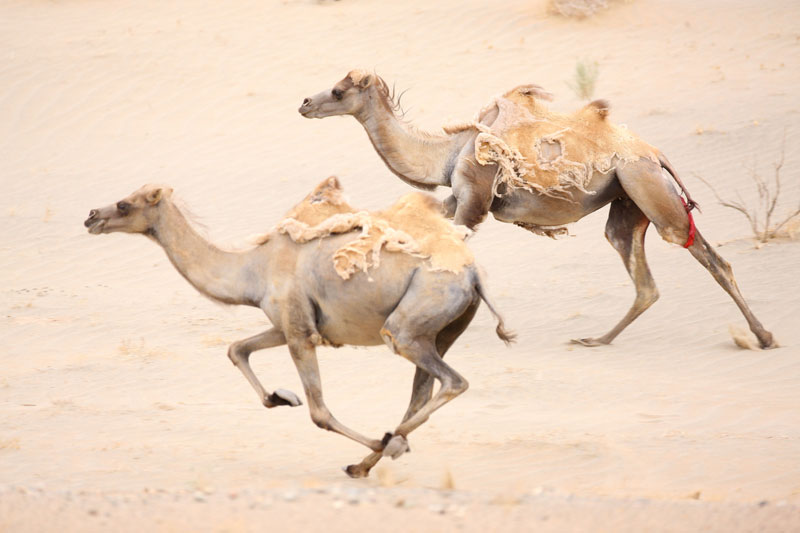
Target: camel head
point(347, 97)
point(137, 213)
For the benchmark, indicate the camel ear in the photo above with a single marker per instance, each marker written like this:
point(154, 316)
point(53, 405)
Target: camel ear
point(365, 82)
point(155, 196)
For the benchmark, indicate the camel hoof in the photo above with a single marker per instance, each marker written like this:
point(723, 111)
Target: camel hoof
point(397, 446)
point(588, 342)
point(282, 397)
point(355, 471)
point(768, 342)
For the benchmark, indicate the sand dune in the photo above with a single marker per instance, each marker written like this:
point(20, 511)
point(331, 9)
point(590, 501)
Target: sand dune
point(119, 408)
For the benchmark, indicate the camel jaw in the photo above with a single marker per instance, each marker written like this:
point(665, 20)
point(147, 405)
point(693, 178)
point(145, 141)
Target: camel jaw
point(307, 112)
point(95, 226)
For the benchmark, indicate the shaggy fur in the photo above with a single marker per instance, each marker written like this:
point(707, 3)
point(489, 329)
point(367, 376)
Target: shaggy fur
point(540, 150)
point(413, 225)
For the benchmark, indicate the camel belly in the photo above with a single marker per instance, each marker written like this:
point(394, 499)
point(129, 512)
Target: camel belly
point(353, 311)
point(534, 208)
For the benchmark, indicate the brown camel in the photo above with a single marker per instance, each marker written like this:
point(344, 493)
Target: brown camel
point(397, 293)
point(493, 164)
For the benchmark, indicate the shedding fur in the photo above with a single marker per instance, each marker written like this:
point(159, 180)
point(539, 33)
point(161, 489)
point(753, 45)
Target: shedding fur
point(544, 151)
point(413, 225)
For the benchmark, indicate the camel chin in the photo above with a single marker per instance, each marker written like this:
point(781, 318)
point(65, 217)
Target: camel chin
point(97, 227)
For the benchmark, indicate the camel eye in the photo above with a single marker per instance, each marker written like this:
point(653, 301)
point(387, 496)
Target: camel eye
point(337, 93)
point(123, 208)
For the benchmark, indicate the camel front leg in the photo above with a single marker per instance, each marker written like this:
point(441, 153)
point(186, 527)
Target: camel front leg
point(239, 354)
point(449, 206)
point(625, 230)
point(304, 356)
point(472, 189)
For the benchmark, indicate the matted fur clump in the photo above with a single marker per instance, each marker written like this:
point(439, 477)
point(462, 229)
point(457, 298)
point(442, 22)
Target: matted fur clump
point(414, 225)
point(548, 152)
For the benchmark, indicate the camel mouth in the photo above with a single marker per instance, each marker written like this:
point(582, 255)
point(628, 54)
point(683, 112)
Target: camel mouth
point(95, 225)
point(304, 110)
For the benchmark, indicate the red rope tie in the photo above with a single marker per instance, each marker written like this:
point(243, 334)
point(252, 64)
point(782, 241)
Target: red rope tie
point(692, 228)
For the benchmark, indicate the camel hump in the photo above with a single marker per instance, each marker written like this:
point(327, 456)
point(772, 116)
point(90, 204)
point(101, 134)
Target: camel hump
point(417, 202)
point(530, 90)
point(601, 107)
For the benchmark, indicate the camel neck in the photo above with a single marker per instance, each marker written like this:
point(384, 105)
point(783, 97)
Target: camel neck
point(220, 275)
point(422, 160)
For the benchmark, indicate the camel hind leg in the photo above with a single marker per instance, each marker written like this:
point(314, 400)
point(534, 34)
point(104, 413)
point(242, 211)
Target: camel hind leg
point(625, 230)
point(723, 273)
point(426, 322)
point(645, 184)
point(423, 385)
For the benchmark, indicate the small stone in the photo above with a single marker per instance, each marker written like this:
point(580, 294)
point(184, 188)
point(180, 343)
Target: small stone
point(199, 496)
point(437, 508)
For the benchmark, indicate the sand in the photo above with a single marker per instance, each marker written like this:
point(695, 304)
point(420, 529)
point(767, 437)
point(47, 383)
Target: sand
point(119, 408)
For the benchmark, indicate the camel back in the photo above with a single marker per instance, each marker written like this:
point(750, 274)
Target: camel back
point(414, 225)
point(540, 150)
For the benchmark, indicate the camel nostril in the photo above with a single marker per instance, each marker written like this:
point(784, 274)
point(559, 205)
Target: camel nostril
point(307, 101)
point(93, 213)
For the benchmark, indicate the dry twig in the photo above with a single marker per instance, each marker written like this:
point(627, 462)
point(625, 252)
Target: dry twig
point(761, 215)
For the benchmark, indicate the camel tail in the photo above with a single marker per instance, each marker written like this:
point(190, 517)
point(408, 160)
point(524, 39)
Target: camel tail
point(666, 165)
point(506, 336)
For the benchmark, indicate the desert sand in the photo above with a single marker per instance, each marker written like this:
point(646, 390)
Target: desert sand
point(119, 409)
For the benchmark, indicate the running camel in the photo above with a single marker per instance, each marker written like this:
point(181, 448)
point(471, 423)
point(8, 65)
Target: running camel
point(540, 170)
point(331, 275)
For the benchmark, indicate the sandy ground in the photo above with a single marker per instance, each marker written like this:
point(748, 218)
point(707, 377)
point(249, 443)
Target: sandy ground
point(119, 409)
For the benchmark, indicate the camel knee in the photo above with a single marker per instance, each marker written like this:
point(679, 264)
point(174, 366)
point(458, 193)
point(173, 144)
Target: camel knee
point(449, 206)
point(321, 419)
point(237, 355)
point(646, 297)
point(389, 338)
point(454, 385)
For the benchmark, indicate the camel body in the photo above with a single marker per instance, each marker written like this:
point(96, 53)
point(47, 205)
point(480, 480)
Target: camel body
point(417, 310)
point(634, 183)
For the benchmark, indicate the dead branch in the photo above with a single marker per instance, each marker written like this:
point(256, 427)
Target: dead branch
point(768, 195)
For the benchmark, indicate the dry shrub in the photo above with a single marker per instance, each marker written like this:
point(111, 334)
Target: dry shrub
point(9, 444)
point(760, 212)
point(579, 9)
point(585, 78)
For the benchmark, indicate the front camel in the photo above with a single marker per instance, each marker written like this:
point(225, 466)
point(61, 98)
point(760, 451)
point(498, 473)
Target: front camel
point(404, 275)
point(540, 170)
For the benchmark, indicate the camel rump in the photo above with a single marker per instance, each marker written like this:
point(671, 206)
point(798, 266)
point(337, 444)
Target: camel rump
point(548, 152)
point(414, 225)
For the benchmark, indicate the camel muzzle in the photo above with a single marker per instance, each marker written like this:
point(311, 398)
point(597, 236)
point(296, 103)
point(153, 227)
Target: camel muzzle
point(91, 220)
point(94, 224)
point(305, 108)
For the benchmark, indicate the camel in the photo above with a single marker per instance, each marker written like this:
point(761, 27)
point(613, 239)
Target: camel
point(493, 163)
point(400, 296)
